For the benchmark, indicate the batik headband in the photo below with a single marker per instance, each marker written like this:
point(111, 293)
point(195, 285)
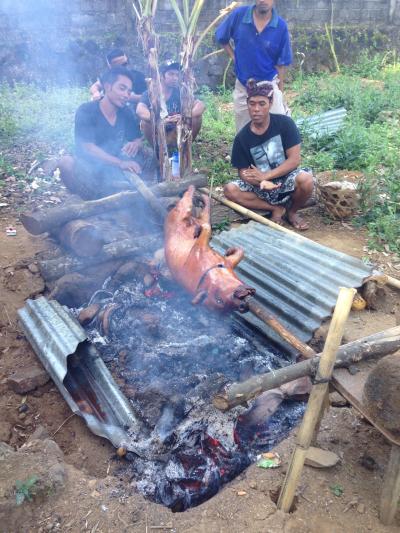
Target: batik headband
point(260, 88)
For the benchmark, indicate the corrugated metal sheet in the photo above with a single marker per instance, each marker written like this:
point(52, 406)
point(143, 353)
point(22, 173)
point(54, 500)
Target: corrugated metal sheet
point(78, 371)
point(323, 124)
point(296, 279)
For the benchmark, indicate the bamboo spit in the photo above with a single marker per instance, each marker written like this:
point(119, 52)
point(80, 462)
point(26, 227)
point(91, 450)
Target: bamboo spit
point(316, 400)
point(147, 194)
point(377, 345)
point(274, 323)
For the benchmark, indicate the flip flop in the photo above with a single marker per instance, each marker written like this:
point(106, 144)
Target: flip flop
point(298, 223)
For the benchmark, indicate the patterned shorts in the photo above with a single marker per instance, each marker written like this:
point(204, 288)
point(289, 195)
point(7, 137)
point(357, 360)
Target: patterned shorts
point(278, 196)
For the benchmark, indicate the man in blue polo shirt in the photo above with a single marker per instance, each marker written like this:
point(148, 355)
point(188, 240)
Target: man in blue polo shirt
point(261, 51)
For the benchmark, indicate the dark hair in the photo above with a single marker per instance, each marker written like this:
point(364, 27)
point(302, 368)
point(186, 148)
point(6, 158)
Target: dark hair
point(112, 54)
point(169, 64)
point(112, 74)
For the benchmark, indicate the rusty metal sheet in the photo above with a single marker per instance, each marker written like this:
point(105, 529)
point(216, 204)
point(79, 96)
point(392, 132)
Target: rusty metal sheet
point(77, 370)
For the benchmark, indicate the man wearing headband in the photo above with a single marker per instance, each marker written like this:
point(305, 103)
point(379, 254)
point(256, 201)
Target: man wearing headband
point(261, 51)
point(266, 153)
point(117, 58)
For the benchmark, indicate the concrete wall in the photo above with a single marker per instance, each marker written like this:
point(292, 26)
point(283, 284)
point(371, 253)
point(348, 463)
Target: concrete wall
point(54, 40)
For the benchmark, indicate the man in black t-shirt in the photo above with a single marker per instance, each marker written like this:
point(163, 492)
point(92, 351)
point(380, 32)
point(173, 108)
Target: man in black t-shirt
point(108, 142)
point(170, 77)
point(266, 153)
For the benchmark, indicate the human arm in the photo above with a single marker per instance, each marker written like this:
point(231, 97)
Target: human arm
point(95, 90)
point(198, 108)
point(256, 176)
point(281, 75)
point(229, 50)
point(143, 112)
point(98, 153)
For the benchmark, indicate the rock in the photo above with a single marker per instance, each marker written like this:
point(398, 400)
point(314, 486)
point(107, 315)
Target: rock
point(22, 416)
point(5, 431)
point(337, 400)
point(318, 458)
point(27, 379)
point(40, 433)
point(33, 268)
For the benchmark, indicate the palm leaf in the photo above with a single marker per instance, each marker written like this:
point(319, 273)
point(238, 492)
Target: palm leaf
point(179, 16)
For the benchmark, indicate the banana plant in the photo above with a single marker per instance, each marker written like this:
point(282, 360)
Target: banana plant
point(145, 11)
point(188, 17)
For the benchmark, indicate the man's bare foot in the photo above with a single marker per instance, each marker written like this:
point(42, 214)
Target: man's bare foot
point(297, 222)
point(277, 215)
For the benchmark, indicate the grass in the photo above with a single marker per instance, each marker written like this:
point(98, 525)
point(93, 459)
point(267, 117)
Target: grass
point(36, 122)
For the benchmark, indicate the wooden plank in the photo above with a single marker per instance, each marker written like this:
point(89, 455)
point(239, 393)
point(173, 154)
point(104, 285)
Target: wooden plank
point(351, 387)
point(391, 488)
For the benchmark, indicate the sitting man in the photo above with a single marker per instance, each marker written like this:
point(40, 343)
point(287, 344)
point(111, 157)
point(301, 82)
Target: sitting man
point(117, 58)
point(266, 153)
point(170, 77)
point(107, 139)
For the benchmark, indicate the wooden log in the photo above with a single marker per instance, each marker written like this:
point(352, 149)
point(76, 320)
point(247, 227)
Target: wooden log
point(147, 195)
point(391, 488)
point(316, 399)
point(274, 323)
point(376, 345)
point(81, 237)
point(39, 222)
point(56, 268)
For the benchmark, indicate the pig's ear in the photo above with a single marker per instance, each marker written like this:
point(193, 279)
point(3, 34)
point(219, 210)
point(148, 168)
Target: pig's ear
point(233, 256)
point(200, 296)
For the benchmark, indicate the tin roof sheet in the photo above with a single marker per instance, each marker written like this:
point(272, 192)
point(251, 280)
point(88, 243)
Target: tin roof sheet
point(296, 279)
point(323, 124)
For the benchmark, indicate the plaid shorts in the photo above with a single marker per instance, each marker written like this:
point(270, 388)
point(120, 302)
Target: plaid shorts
point(280, 196)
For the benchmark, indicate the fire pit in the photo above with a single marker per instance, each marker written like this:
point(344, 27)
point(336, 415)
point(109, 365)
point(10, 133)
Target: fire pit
point(169, 359)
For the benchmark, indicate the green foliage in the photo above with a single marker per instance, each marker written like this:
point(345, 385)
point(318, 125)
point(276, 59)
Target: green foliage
point(25, 490)
point(28, 113)
point(221, 226)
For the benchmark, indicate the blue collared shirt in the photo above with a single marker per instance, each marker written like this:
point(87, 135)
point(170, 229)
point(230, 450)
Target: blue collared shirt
point(256, 54)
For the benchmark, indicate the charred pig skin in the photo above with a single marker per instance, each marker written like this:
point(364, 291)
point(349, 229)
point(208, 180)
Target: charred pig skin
point(203, 272)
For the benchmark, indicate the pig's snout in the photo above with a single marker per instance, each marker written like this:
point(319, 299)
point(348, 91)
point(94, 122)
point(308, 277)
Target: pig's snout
point(240, 294)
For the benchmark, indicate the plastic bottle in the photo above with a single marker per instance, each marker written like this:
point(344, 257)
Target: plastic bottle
point(175, 164)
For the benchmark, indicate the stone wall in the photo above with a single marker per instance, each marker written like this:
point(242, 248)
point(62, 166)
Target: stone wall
point(50, 41)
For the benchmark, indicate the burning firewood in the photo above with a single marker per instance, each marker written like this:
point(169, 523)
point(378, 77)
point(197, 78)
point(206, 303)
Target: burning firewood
point(82, 238)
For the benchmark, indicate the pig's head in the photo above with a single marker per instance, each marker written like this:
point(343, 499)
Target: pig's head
point(222, 290)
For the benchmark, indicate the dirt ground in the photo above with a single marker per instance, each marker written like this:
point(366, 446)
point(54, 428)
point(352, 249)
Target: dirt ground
point(86, 492)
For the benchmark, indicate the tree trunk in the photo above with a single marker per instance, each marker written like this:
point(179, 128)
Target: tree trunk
point(187, 99)
point(376, 345)
point(150, 43)
point(41, 221)
point(56, 268)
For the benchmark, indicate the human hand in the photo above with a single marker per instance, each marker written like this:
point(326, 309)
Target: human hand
point(131, 148)
point(269, 186)
point(130, 166)
point(253, 175)
point(173, 119)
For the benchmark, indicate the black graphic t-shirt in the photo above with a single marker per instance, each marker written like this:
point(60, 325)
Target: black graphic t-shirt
point(91, 126)
point(173, 103)
point(266, 151)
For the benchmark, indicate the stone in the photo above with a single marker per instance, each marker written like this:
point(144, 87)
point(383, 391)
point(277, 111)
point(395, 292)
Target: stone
point(318, 458)
point(40, 433)
point(27, 379)
point(33, 268)
point(361, 508)
point(337, 400)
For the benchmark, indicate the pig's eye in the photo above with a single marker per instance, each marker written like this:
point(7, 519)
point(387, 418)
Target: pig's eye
point(219, 301)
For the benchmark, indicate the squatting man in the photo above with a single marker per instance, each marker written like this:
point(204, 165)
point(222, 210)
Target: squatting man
point(266, 153)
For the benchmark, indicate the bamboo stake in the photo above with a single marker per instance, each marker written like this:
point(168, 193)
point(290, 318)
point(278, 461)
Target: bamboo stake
point(393, 282)
point(315, 402)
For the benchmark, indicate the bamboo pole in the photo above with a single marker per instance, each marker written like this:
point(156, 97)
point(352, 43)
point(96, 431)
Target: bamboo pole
point(393, 282)
point(376, 345)
point(315, 402)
